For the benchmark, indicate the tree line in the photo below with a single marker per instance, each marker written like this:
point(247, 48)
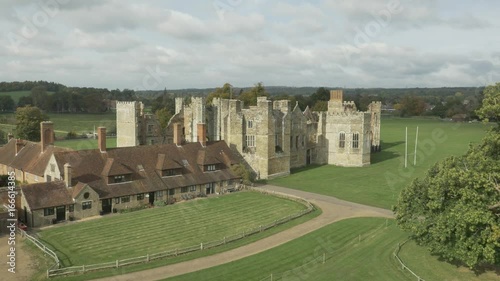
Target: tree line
point(53, 97)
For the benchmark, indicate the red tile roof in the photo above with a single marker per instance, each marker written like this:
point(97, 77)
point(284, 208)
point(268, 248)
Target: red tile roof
point(93, 167)
point(47, 194)
point(29, 158)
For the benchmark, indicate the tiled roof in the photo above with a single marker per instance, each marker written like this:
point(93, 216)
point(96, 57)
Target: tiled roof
point(37, 195)
point(29, 158)
point(93, 167)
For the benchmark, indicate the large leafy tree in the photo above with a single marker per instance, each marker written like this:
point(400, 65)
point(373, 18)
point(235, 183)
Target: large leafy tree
point(491, 103)
point(455, 209)
point(250, 97)
point(223, 92)
point(28, 121)
point(6, 103)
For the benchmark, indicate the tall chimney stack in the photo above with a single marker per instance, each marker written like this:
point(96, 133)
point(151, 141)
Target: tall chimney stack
point(101, 139)
point(202, 134)
point(10, 136)
point(177, 134)
point(67, 174)
point(19, 145)
point(46, 134)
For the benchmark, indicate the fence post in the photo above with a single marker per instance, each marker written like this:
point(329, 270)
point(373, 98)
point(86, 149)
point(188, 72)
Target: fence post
point(261, 228)
point(201, 246)
point(48, 274)
point(324, 258)
point(117, 264)
point(224, 240)
point(271, 277)
point(83, 268)
point(147, 257)
point(176, 252)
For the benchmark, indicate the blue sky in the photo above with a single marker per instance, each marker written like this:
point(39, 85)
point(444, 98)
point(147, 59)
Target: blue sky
point(194, 44)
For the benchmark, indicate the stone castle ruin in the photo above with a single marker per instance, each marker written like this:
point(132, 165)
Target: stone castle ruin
point(271, 137)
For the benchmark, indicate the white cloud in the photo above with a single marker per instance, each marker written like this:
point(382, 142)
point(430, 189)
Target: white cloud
point(115, 43)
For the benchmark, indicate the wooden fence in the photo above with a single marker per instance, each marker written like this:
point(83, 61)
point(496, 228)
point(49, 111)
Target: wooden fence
point(56, 270)
point(44, 248)
point(403, 265)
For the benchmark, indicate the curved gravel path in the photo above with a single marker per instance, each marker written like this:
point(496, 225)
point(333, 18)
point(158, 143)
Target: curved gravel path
point(333, 210)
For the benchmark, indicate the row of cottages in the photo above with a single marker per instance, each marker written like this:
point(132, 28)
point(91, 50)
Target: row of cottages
point(86, 183)
point(29, 159)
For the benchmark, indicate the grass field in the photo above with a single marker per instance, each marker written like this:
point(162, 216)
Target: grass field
point(356, 249)
point(64, 123)
point(380, 183)
point(16, 95)
point(81, 144)
point(159, 229)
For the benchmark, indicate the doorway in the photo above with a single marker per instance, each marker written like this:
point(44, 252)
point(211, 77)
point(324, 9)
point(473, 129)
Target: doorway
point(106, 206)
point(151, 198)
point(61, 213)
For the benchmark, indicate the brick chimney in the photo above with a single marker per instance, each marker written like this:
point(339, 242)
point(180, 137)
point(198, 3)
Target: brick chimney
point(46, 134)
point(67, 174)
point(10, 136)
point(101, 139)
point(202, 134)
point(19, 145)
point(177, 134)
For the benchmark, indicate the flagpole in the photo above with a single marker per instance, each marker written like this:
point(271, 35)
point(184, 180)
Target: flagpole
point(406, 147)
point(415, 156)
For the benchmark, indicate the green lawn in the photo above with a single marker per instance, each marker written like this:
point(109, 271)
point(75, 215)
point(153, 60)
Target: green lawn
point(431, 268)
point(380, 183)
point(82, 144)
point(167, 228)
point(16, 95)
point(355, 249)
point(65, 122)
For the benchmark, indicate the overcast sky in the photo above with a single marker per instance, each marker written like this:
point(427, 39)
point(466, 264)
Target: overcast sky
point(197, 44)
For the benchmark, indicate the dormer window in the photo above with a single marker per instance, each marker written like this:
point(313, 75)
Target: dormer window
point(120, 178)
point(170, 172)
point(210, 168)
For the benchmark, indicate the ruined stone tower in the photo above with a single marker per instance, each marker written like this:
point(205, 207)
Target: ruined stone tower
point(270, 137)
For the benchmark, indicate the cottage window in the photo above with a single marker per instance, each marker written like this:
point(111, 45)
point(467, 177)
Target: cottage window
point(117, 200)
point(48, 211)
point(150, 129)
point(170, 172)
point(125, 199)
point(250, 124)
point(342, 140)
point(52, 168)
point(192, 188)
point(120, 178)
point(86, 195)
point(71, 208)
point(87, 205)
point(184, 189)
point(211, 168)
point(140, 196)
point(250, 141)
point(355, 140)
point(159, 194)
point(171, 191)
